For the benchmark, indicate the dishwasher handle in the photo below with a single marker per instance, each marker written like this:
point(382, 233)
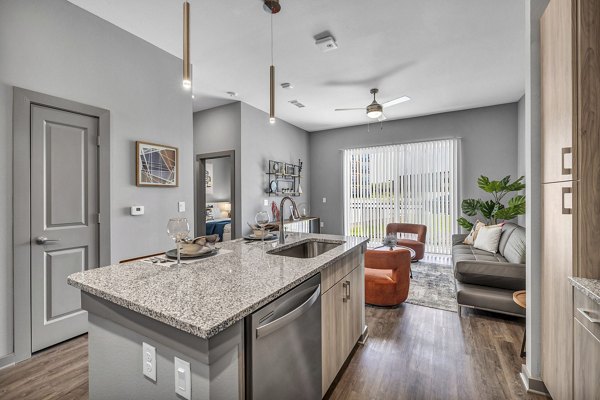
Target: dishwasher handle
point(289, 317)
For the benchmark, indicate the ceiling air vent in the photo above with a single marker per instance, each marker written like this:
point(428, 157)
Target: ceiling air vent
point(297, 103)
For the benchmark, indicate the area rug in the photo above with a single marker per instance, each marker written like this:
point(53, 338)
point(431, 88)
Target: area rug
point(432, 286)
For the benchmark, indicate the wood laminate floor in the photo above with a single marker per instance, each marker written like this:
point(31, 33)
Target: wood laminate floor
point(420, 353)
point(413, 352)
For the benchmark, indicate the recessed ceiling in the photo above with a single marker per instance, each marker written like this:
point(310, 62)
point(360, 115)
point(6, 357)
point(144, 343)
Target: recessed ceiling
point(445, 55)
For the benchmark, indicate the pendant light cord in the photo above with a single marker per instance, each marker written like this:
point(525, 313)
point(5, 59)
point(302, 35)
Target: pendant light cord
point(272, 38)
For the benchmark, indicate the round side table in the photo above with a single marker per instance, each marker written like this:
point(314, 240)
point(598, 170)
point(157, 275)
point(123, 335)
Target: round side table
point(519, 297)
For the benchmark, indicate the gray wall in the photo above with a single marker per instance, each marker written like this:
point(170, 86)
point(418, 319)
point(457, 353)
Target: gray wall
point(521, 160)
point(219, 129)
point(262, 142)
point(247, 130)
point(221, 190)
point(489, 147)
point(54, 47)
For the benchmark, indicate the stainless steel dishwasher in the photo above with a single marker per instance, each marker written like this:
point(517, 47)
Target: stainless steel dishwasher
point(283, 346)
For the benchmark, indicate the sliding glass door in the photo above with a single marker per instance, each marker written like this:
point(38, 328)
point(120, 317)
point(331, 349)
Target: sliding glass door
point(410, 183)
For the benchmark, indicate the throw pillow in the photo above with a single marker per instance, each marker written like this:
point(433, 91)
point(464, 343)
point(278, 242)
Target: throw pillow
point(470, 239)
point(488, 238)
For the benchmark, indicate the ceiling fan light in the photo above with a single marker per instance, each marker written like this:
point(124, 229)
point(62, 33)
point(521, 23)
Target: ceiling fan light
point(187, 84)
point(272, 120)
point(374, 110)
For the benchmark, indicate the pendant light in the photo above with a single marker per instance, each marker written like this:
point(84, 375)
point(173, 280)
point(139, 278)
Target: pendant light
point(187, 68)
point(272, 7)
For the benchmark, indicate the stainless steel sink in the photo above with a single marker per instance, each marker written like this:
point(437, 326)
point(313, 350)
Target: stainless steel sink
point(309, 249)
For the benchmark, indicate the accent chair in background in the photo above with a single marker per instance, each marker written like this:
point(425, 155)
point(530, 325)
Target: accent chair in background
point(418, 244)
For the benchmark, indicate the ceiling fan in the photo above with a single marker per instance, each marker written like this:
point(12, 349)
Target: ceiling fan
point(375, 109)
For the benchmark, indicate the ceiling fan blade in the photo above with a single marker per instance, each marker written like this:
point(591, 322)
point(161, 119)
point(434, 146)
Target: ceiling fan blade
point(349, 109)
point(395, 101)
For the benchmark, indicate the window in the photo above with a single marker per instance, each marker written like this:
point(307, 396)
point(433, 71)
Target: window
point(410, 183)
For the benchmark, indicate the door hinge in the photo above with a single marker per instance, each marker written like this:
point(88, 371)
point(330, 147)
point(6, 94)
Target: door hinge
point(98, 140)
point(98, 217)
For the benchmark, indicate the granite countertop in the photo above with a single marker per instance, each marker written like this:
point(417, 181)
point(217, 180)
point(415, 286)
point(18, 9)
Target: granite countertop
point(206, 296)
point(589, 287)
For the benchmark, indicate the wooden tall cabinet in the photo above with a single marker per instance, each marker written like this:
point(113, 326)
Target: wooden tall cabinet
point(570, 76)
point(342, 313)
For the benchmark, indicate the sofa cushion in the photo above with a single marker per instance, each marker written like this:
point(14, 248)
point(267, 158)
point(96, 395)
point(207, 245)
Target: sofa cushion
point(512, 244)
point(490, 273)
point(463, 252)
point(488, 238)
point(470, 239)
point(507, 230)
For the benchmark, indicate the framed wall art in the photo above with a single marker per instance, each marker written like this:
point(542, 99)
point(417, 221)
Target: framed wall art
point(156, 165)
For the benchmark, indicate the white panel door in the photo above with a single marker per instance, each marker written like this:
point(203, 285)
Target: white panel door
point(64, 220)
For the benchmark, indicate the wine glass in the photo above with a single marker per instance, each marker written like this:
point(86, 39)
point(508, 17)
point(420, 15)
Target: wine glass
point(178, 229)
point(262, 219)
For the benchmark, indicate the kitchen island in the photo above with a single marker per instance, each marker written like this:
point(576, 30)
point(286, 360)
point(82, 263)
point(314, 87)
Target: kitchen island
point(198, 313)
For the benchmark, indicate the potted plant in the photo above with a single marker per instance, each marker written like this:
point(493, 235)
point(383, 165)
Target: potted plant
point(494, 209)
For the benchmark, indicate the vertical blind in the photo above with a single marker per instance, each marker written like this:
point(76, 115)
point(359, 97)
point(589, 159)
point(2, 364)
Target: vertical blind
point(409, 183)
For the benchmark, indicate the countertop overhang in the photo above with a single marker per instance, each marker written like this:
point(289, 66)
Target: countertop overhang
point(206, 296)
point(589, 287)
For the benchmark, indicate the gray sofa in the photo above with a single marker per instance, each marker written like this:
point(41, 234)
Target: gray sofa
point(487, 281)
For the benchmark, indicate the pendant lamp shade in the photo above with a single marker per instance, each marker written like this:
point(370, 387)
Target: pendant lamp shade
point(187, 69)
point(272, 94)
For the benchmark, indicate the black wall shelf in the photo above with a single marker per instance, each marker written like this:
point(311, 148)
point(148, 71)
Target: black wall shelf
point(283, 179)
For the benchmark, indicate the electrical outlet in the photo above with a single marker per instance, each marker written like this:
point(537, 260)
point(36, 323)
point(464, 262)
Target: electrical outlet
point(324, 199)
point(183, 379)
point(322, 224)
point(149, 361)
point(266, 203)
point(181, 206)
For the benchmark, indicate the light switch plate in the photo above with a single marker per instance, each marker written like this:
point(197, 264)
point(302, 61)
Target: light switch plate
point(266, 203)
point(181, 206)
point(324, 199)
point(183, 379)
point(149, 361)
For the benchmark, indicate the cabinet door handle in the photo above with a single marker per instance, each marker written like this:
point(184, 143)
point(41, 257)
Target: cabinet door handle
point(347, 290)
point(587, 316)
point(567, 191)
point(345, 286)
point(564, 152)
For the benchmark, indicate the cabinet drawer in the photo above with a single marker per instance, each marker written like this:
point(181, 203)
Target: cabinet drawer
point(587, 312)
point(586, 364)
point(339, 269)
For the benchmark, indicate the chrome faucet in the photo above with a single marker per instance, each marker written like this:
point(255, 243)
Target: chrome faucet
point(294, 211)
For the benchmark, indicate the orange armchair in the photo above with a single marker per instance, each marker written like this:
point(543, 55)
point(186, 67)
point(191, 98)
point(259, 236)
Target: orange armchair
point(417, 245)
point(387, 276)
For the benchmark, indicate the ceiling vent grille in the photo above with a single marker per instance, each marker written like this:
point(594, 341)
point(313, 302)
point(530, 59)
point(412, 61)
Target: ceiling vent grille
point(297, 103)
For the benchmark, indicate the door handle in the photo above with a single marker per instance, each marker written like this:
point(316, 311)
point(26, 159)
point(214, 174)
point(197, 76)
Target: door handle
point(566, 210)
point(289, 317)
point(587, 316)
point(345, 286)
point(45, 240)
point(347, 290)
point(564, 152)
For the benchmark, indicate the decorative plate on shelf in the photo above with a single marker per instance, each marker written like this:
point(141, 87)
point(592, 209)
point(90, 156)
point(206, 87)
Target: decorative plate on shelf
point(273, 186)
point(276, 167)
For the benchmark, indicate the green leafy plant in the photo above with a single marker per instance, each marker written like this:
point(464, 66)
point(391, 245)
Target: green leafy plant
point(493, 210)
